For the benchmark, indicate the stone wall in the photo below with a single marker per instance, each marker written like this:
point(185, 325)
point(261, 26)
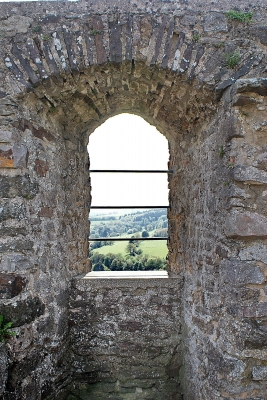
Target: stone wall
point(67, 67)
point(126, 339)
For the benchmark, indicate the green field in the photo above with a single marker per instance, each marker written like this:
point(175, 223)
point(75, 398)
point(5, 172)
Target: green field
point(152, 248)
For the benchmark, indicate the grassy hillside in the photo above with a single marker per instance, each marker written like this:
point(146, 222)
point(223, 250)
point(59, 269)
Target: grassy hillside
point(153, 249)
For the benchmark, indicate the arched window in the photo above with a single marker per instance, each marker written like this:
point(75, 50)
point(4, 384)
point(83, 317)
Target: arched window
point(135, 192)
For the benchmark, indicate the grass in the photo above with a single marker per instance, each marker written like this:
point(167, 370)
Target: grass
point(239, 16)
point(116, 248)
point(153, 249)
point(232, 59)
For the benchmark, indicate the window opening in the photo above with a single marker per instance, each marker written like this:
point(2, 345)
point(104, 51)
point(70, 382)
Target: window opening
point(144, 152)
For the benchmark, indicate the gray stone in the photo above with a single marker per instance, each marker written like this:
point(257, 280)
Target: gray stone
point(237, 272)
point(189, 19)
point(5, 136)
point(257, 252)
point(260, 32)
point(15, 24)
point(3, 368)
point(250, 175)
point(11, 285)
point(20, 154)
point(259, 373)
point(254, 85)
point(215, 21)
point(12, 211)
point(22, 311)
point(18, 186)
point(246, 225)
point(16, 245)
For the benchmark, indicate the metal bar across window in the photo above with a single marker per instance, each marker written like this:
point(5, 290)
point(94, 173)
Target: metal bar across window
point(125, 207)
point(126, 239)
point(138, 171)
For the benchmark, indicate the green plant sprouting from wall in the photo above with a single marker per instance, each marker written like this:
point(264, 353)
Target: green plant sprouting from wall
point(239, 16)
point(46, 38)
point(221, 151)
point(95, 32)
point(196, 37)
point(36, 29)
point(5, 332)
point(232, 59)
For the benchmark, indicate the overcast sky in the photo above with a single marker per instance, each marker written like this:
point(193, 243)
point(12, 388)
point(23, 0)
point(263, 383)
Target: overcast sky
point(128, 142)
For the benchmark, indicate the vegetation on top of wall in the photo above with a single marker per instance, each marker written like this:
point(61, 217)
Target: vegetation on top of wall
point(5, 333)
point(239, 16)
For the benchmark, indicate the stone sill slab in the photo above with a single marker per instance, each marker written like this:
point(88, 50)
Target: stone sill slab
point(126, 275)
point(130, 279)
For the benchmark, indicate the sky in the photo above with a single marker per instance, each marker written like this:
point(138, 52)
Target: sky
point(128, 142)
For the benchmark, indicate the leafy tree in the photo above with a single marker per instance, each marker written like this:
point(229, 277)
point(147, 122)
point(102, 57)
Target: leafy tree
point(145, 234)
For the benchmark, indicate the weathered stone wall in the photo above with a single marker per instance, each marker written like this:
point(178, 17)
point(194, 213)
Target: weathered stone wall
point(224, 243)
point(125, 338)
point(64, 69)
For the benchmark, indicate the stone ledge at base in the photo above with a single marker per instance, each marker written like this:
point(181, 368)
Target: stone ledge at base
point(126, 275)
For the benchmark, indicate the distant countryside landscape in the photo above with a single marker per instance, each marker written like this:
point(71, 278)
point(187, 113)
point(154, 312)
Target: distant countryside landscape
point(135, 255)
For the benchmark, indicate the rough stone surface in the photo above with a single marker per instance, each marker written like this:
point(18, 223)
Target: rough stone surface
point(65, 68)
point(11, 285)
point(132, 347)
point(246, 225)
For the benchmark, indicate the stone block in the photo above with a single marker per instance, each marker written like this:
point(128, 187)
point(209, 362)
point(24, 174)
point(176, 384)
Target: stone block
point(254, 85)
point(15, 262)
point(41, 167)
point(260, 32)
point(255, 311)
point(12, 186)
point(250, 175)
point(215, 21)
point(20, 154)
point(6, 157)
point(12, 211)
point(237, 272)
point(259, 373)
point(189, 19)
point(15, 24)
point(246, 225)
point(3, 368)
point(5, 136)
point(241, 100)
point(45, 212)
point(11, 285)
point(23, 311)
point(22, 368)
point(40, 133)
point(16, 245)
point(257, 252)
